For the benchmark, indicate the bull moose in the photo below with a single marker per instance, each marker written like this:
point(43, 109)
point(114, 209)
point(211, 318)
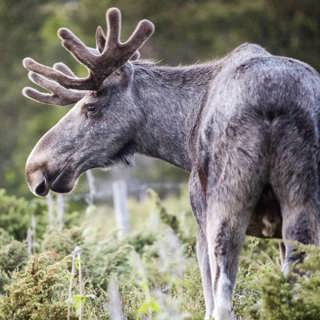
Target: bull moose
point(245, 126)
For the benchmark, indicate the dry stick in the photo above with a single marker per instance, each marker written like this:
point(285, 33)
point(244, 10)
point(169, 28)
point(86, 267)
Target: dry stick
point(80, 281)
point(69, 301)
point(76, 253)
point(91, 185)
point(115, 301)
point(33, 226)
point(31, 233)
point(60, 211)
point(50, 210)
point(29, 241)
point(120, 201)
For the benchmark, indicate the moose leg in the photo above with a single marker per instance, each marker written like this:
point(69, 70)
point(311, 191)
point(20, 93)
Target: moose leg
point(198, 204)
point(300, 223)
point(203, 261)
point(294, 178)
point(226, 229)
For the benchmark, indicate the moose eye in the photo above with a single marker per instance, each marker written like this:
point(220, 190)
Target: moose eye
point(91, 109)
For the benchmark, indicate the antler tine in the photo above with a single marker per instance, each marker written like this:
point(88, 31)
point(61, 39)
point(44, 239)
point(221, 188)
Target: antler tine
point(125, 50)
point(77, 48)
point(40, 97)
point(101, 43)
point(113, 19)
point(114, 53)
point(58, 76)
point(59, 95)
point(100, 39)
point(141, 34)
point(101, 62)
point(60, 66)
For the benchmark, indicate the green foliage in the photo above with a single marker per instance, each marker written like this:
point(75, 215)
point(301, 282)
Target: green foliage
point(16, 214)
point(172, 221)
point(295, 298)
point(37, 292)
point(189, 290)
point(5, 237)
point(264, 294)
point(151, 270)
point(62, 242)
point(140, 240)
point(13, 256)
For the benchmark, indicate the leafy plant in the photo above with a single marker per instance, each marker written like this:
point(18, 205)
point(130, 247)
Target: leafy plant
point(16, 214)
point(38, 291)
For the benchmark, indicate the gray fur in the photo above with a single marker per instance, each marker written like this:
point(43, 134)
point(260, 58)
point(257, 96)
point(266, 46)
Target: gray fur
point(245, 126)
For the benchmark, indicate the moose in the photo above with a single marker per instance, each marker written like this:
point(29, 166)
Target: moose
point(245, 126)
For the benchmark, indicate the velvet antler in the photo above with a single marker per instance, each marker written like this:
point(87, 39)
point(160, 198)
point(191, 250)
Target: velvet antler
point(109, 56)
point(58, 94)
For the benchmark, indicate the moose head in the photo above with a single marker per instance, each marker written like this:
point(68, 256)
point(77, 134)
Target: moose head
point(98, 131)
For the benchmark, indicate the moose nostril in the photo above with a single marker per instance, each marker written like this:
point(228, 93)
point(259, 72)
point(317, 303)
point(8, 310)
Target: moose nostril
point(42, 189)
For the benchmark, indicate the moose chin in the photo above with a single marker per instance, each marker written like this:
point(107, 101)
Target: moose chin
point(245, 126)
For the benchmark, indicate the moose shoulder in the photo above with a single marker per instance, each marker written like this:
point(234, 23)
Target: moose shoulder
point(246, 127)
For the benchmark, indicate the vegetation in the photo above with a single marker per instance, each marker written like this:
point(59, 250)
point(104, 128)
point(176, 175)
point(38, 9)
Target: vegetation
point(89, 272)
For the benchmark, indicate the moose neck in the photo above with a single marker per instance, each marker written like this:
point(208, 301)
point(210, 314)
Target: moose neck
point(170, 99)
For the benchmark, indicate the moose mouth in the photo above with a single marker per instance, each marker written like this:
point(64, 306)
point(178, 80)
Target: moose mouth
point(65, 180)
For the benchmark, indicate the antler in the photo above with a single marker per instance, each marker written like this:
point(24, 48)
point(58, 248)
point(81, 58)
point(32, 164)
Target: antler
point(59, 95)
point(101, 42)
point(109, 56)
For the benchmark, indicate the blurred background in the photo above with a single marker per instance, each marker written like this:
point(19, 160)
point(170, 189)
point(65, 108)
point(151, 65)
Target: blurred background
point(187, 31)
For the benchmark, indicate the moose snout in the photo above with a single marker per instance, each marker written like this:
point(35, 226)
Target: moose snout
point(37, 181)
point(36, 174)
point(44, 174)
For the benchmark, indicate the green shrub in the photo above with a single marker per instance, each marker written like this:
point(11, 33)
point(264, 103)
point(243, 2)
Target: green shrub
point(104, 259)
point(263, 293)
point(13, 256)
point(172, 221)
point(154, 267)
point(5, 237)
point(189, 290)
point(62, 242)
point(16, 214)
point(39, 291)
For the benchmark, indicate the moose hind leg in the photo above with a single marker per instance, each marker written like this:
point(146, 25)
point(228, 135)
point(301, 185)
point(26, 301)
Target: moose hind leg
point(294, 178)
point(226, 229)
point(300, 223)
point(237, 176)
point(203, 261)
point(198, 203)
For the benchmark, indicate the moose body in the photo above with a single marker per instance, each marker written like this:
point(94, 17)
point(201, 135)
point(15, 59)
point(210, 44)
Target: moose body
point(246, 127)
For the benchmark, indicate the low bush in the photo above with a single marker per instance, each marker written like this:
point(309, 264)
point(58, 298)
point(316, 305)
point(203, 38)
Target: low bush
point(38, 291)
point(16, 214)
point(150, 273)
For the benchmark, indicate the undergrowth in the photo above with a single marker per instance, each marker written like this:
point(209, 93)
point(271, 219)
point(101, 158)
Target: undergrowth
point(90, 272)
